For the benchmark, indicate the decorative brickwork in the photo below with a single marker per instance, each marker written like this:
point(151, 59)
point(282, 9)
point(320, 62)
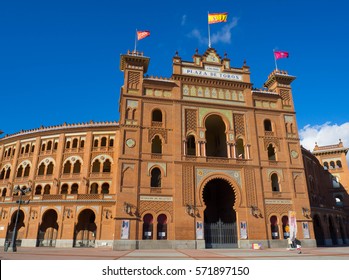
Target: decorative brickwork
point(133, 80)
point(250, 187)
point(239, 124)
point(153, 131)
point(285, 95)
point(188, 184)
point(190, 120)
point(277, 209)
point(156, 206)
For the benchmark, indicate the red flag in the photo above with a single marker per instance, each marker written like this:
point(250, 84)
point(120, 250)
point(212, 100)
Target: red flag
point(142, 34)
point(280, 54)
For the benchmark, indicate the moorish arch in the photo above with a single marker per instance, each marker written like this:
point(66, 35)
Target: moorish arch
point(318, 230)
point(48, 229)
point(85, 229)
point(220, 199)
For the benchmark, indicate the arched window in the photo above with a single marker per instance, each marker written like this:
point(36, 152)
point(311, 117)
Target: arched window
point(285, 227)
point(94, 188)
point(77, 167)
point(156, 116)
point(47, 189)
point(22, 150)
point(275, 183)
point(38, 189)
point(41, 170)
point(216, 145)
point(9, 152)
point(162, 227)
point(82, 143)
point(105, 188)
point(95, 143)
point(332, 165)
point(148, 226)
point(5, 155)
point(33, 148)
point(27, 147)
point(13, 151)
point(191, 147)
point(271, 152)
point(49, 146)
point(43, 147)
point(106, 166)
point(4, 191)
point(96, 166)
point(103, 142)
point(55, 146)
point(155, 181)
point(111, 142)
point(267, 125)
point(156, 146)
point(74, 189)
point(8, 173)
point(75, 143)
point(339, 163)
point(326, 165)
point(49, 168)
point(240, 150)
point(274, 227)
point(26, 171)
point(67, 167)
point(339, 200)
point(20, 171)
point(64, 189)
point(2, 174)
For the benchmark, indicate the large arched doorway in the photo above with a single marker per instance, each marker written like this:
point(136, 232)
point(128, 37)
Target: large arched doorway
point(216, 140)
point(48, 229)
point(219, 215)
point(19, 230)
point(85, 230)
point(319, 233)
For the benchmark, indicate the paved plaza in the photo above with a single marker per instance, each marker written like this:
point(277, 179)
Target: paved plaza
point(46, 253)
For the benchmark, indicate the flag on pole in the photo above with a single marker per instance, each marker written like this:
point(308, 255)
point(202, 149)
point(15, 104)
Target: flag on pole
point(217, 17)
point(280, 54)
point(142, 34)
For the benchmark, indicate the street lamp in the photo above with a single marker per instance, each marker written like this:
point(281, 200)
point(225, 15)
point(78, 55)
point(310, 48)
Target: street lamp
point(17, 189)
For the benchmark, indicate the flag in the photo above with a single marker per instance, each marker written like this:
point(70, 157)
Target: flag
point(280, 54)
point(142, 34)
point(217, 17)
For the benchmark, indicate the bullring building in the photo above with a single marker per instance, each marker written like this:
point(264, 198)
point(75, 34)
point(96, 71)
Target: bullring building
point(197, 160)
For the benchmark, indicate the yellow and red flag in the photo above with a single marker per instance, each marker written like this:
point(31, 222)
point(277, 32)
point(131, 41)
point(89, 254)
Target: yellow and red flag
point(217, 17)
point(142, 34)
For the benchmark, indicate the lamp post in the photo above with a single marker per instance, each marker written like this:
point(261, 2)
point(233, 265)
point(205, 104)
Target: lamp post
point(17, 189)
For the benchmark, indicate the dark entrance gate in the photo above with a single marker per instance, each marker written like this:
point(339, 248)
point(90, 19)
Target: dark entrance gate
point(219, 216)
point(221, 235)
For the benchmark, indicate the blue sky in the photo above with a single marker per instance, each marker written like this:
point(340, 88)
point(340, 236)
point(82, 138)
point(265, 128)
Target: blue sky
point(59, 60)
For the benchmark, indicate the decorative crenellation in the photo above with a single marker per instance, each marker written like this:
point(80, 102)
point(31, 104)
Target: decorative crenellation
point(213, 93)
point(188, 183)
point(239, 124)
point(190, 120)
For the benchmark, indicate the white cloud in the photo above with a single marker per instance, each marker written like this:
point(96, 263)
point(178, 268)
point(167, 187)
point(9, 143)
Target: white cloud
point(184, 20)
point(221, 36)
point(324, 134)
point(195, 33)
point(224, 35)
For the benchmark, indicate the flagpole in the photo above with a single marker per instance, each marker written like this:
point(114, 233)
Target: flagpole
point(208, 25)
point(135, 42)
point(276, 66)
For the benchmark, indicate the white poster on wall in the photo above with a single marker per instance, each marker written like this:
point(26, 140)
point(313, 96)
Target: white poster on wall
point(199, 230)
point(243, 230)
point(305, 227)
point(125, 229)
